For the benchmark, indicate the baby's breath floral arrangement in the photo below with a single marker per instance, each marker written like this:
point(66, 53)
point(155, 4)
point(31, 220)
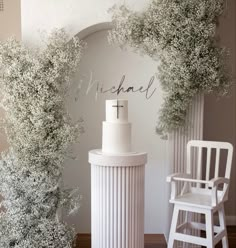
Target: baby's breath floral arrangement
point(34, 84)
point(181, 35)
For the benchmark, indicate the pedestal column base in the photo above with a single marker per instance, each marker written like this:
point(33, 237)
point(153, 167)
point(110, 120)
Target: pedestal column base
point(117, 185)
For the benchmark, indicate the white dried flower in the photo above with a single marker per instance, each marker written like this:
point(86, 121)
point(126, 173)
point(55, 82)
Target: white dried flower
point(181, 35)
point(39, 130)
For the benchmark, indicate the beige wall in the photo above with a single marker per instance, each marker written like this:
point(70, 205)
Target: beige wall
point(10, 25)
point(10, 19)
point(220, 113)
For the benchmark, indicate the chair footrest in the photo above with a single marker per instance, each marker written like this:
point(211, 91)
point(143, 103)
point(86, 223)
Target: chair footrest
point(219, 236)
point(190, 239)
point(220, 233)
point(198, 226)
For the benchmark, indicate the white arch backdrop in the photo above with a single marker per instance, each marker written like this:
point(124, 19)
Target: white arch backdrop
point(142, 113)
point(89, 17)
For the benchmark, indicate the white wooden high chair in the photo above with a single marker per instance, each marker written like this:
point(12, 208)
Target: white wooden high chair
point(202, 196)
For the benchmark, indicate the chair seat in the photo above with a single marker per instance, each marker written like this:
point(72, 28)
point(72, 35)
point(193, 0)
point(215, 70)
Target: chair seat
point(194, 200)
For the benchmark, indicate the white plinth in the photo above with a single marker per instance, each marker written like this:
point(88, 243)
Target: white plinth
point(117, 199)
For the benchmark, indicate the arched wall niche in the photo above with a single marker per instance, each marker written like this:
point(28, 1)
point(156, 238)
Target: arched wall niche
point(96, 27)
point(108, 63)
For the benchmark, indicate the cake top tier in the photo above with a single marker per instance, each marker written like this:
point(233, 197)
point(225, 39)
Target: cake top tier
point(117, 110)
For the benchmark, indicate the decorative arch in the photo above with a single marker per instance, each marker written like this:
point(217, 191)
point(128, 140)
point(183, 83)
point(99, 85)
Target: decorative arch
point(93, 29)
point(178, 139)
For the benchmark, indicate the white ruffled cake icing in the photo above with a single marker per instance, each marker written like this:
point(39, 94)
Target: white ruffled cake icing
point(116, 134)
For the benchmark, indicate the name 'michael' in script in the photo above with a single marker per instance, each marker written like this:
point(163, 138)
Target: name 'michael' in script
point(147, 89)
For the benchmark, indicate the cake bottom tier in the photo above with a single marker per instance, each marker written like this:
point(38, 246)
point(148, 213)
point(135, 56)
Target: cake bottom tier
point(117, 206)
point(116, 137)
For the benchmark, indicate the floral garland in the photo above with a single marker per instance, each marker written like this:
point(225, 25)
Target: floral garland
point(39, 130)
point(181, 35)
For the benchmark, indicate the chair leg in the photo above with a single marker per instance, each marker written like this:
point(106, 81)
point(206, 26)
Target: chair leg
point(209, 229)
point(188, 218)
point(173, 227)
point(223, 227)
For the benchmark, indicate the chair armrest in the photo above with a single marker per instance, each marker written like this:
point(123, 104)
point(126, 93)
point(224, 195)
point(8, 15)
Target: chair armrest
point(191, 180)
point(215, 182)
point(172, 177)
point(186, 178)
point(219, 180)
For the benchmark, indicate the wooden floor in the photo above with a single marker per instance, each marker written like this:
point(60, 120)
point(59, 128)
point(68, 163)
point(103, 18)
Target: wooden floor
point(155, 240)
point(231, 237)
point(150, 240)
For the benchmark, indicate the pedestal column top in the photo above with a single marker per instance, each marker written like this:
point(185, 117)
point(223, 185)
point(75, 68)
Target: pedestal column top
point(117, 160)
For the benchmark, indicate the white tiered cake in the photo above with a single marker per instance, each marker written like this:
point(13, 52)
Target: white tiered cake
point(116, 134)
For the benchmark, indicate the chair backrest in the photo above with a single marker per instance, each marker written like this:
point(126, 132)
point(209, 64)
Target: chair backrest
point(217, 156)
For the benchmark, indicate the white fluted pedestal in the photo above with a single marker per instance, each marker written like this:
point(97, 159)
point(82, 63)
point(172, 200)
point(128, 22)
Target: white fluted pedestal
point(117, 199)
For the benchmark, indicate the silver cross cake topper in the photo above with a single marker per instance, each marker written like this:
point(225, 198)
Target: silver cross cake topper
point(117, 106)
